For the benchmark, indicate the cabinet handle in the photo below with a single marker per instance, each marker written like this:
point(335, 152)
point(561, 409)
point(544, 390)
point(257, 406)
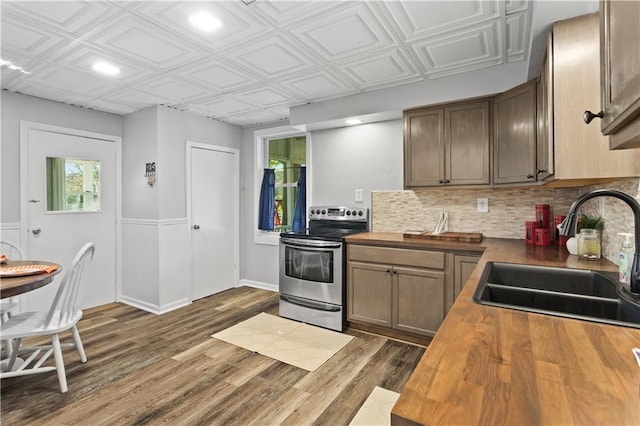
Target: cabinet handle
point(388, 271)
point(588, 116)
point(447, 181)
point(440, 181)
point(530, 176)
point(540, 171)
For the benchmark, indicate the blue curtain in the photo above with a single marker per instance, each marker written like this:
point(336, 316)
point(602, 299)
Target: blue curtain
point(300, 212)
point(267, 200)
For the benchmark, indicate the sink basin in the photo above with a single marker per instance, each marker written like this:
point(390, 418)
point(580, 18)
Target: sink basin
point(572, 293)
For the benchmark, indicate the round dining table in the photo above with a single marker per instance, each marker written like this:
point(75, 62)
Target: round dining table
point(14, 285)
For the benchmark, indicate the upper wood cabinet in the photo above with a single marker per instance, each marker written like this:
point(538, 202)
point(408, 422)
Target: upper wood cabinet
point(620, 72)
point(545, 159)
point(447, 145)
point(580, 150)
point(514, 141)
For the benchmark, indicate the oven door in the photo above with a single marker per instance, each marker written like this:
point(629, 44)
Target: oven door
point(311, 269)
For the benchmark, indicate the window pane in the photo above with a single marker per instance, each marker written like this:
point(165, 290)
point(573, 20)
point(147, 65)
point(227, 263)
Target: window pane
point(73, 185)
point(286, 155)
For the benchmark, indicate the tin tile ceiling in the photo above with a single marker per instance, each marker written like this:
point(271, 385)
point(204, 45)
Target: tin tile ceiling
point(265, 58)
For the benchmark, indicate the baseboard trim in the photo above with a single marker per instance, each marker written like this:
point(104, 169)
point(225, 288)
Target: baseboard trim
point(154, 309)
point(258, 284)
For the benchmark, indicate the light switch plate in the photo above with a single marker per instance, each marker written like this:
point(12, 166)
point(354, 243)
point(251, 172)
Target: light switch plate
point(359, 195)
point(483, 205)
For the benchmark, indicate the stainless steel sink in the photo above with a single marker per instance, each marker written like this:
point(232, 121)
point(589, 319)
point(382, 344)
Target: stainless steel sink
point(572, 293)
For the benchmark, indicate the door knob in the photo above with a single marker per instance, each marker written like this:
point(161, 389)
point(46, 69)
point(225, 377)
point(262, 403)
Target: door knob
point(196, 226)
point(588, 116)
point(36, 231)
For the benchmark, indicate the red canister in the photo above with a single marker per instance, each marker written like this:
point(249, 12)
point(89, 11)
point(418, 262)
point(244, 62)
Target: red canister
point(561, 240)
point(542, 215)
point(543, 237)
point(530, 227)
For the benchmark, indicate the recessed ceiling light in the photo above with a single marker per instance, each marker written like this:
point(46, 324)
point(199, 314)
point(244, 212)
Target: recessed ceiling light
point(104, 68)
point(205, 21)
point(353, 121)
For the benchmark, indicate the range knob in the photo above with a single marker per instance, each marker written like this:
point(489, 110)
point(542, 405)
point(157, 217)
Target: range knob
point(348, 212)
point(324, 212)
point(360, 213)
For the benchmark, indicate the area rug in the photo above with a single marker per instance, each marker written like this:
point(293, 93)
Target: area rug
point(376, 410)
point(295, 343)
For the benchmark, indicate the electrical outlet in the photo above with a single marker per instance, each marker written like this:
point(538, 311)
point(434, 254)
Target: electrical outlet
point(359, 195)
point(483, 205)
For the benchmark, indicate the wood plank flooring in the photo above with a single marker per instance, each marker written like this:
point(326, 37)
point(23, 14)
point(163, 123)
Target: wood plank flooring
point(150, 369)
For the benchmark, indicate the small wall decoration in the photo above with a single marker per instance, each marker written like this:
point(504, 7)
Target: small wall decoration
point(150, 173)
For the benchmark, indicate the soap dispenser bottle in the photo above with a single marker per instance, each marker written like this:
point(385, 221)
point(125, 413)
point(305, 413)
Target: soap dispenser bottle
point(625, 259)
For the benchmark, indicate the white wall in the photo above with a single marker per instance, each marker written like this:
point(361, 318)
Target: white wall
point(16, 107)
point(367, 157)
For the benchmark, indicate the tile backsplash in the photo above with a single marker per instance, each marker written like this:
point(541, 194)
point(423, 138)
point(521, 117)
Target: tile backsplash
point(509, 208)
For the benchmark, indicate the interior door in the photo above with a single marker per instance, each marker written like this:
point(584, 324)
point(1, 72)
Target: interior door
point(71, 189)
point(214, 192)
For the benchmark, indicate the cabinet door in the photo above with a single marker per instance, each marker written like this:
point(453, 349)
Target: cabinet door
point(620, 79)
point(419, 300)
point(467, 141)
point(369, 293)
point(544, 98)
point(463, 266)
point(424, 147)
point(514, 145)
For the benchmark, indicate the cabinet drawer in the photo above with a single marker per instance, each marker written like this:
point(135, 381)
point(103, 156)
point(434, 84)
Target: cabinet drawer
point(397, 256)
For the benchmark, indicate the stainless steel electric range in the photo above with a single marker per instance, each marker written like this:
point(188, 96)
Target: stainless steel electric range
point(313, 266)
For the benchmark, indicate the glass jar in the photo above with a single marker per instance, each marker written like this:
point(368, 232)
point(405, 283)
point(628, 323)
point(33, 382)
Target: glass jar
point(589, 244)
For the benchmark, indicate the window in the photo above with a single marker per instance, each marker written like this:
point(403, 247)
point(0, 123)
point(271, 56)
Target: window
point(286, 155)
point(283, 149)
point(73, 185)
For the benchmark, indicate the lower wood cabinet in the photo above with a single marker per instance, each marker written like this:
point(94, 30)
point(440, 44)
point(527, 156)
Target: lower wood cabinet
point(397, 288)
point(463, 266)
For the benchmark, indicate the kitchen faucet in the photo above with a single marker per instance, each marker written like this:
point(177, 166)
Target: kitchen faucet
point(568, 227)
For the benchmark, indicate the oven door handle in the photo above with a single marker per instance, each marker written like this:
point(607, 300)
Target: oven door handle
point(318, 306)
point(307, 244)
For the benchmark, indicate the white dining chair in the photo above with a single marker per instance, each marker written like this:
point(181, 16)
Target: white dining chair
point(63, 315)
point(13, 252)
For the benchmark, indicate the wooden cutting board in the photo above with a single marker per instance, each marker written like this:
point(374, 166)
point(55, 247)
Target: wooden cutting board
point(467, 237)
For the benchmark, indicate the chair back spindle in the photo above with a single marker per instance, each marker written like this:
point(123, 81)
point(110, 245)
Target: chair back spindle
point(66, 303)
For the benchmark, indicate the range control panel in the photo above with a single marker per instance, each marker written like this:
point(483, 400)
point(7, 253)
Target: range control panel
point(339, 213)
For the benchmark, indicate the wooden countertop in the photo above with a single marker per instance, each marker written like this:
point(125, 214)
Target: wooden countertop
point(500, 366)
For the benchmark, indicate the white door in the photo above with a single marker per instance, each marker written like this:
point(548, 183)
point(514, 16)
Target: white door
point(72, 200)
point(213, 197)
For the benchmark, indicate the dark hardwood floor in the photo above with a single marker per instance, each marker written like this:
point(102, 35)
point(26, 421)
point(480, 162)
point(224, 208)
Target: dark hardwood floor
point(148, 369)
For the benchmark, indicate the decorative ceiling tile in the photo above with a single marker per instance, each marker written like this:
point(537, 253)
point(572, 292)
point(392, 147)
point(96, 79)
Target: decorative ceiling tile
point(281, 14)
point(517, 5)
point(353, 31)
point(169, 87)
point(135, 99)
point(419, 19)
point(238, 24)
point(517, 27)
point(461, 51)
point(272, 57)
point(217, 75)
point(108, 106)
point(266, 97)
point(319, 84)
point(385, 69)
point(223, 106)
point(47, 92)
point(28, 40)
point(71, 80)
point(83, 57)
point(70, 17)
point(258, 117)
point(143, 42)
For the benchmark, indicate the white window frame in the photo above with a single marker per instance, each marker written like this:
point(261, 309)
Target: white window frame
point(260, 138)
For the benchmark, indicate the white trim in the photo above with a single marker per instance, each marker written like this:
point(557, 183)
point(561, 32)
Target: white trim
point(258, 284)
point(264, 237)
point(8, 226)
point(154, 309)
point(236, 207)
point(154, 222)
point(25, 127)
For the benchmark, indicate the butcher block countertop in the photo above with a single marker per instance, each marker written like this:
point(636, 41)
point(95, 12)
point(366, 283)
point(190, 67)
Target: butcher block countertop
point(489, 365)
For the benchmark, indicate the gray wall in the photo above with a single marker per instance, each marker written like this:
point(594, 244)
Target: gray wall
point(16, 107)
